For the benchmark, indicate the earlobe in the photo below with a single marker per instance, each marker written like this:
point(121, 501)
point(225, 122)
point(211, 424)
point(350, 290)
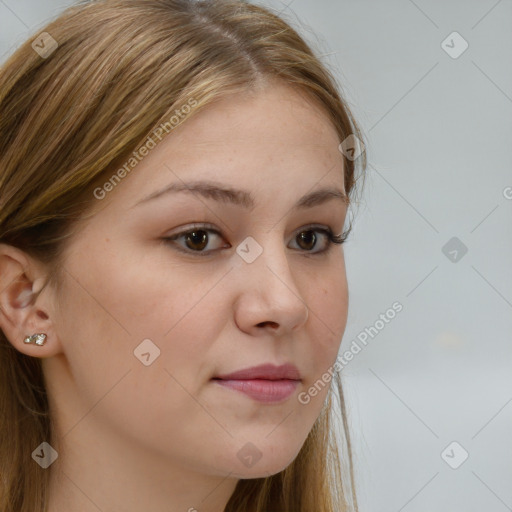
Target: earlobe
point(24, 316)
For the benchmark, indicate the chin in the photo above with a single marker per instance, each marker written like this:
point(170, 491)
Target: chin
point(261, 470)
point(254, 463)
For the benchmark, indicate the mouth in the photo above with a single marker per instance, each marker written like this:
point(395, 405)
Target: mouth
point(266, 391)
point(265, 383)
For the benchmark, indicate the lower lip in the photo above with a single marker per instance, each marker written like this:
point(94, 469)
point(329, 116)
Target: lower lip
point(266, 391)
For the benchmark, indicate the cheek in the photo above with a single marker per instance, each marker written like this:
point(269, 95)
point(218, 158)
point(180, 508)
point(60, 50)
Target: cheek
point(143, 294)
point(104, 317)
point(326, 323)
point(328, 311)
point(159, 301)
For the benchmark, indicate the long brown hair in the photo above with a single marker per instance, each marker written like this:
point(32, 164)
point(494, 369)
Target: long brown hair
point(111, 71)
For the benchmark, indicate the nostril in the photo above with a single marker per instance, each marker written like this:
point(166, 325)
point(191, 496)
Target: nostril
point(272, 324)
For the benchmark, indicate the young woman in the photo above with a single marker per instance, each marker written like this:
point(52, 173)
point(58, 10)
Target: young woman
point(175, 177)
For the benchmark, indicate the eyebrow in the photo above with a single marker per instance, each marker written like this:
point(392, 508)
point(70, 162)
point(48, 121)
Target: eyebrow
point(225, 194)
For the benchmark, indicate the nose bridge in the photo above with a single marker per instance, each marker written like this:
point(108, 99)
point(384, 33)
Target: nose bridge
point(268, 273)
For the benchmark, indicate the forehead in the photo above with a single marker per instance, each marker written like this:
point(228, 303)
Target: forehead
point(275, 115)
point(272, 139)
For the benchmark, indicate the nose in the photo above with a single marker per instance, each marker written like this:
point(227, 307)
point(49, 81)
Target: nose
point(270, 295)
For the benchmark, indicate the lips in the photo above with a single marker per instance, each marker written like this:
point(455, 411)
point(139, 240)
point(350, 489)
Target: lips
point(264, 371)
point(266, 383)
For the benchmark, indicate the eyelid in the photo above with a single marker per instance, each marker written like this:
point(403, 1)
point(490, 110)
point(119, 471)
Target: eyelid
point(332, 239)
point(195, 226)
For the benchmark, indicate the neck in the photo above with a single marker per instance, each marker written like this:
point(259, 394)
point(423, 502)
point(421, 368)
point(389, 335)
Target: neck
point(95, 472)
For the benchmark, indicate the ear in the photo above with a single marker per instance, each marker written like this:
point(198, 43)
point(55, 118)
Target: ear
point(26, 305)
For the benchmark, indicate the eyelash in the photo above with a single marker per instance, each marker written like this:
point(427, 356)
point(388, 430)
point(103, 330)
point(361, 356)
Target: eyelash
point(332, 239)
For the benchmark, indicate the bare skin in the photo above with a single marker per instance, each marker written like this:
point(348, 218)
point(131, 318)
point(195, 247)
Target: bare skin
point(165, 437)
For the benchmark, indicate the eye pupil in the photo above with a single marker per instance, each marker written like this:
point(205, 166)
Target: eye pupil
point(308, 239)
point(202, 240)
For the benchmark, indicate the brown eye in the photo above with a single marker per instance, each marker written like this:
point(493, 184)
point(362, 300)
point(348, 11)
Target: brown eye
point(196, 240)
point(315, 240)
point(307, 240)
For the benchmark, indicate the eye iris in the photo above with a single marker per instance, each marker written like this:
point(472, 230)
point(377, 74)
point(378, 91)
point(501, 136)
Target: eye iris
point(202, 240)
point(304, 237)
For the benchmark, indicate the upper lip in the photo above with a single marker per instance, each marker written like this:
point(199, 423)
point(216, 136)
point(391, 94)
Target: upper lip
point(264, 371)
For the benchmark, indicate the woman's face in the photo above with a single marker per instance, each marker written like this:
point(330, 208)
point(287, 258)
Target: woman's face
point(145, 324)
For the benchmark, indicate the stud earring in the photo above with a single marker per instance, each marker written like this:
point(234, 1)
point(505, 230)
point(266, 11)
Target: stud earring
point(37, 339)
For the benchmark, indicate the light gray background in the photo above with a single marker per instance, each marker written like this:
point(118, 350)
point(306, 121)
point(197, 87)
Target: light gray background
point(439, 134)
